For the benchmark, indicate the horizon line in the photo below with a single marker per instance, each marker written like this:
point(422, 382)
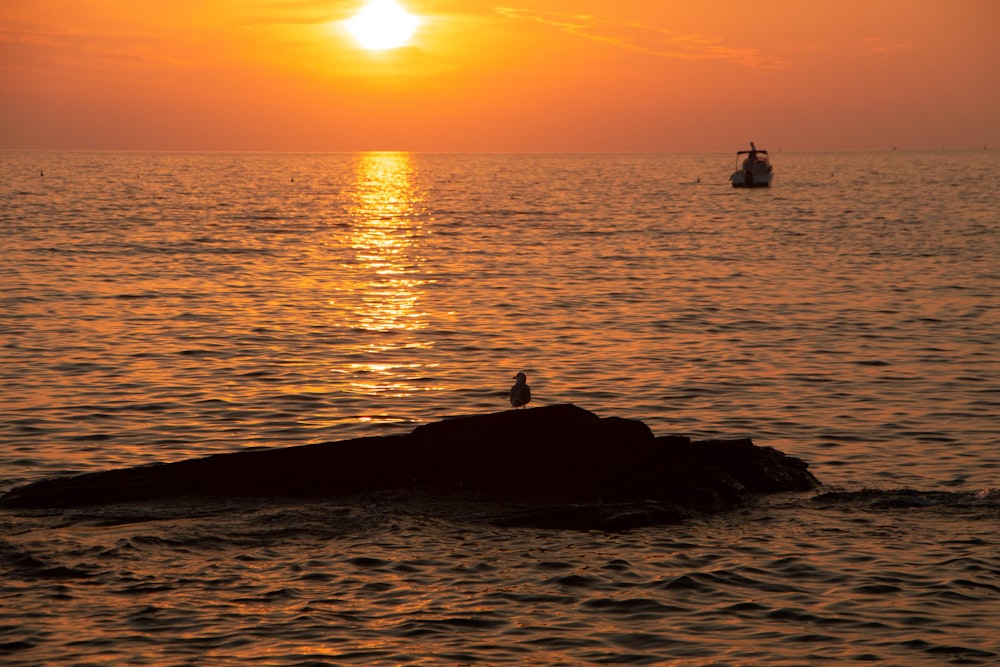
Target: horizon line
point(258, 151)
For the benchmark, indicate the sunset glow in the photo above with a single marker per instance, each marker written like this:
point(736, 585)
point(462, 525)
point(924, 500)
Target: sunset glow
point(463, 75)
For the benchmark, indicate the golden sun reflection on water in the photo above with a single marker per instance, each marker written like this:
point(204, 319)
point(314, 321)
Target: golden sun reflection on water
point(385, 232)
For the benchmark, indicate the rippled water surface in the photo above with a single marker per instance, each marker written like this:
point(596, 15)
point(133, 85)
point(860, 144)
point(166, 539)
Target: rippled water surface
point(163, 306)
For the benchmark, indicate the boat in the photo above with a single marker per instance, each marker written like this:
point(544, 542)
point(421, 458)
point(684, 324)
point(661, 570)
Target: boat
point(753, 169)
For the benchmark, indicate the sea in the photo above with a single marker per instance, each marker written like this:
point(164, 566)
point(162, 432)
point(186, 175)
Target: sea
point(163, 306)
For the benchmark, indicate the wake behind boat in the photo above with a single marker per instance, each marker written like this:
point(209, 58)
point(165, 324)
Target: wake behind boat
point(755, 171)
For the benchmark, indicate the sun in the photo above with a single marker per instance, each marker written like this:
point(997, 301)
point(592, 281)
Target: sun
point(382, 25)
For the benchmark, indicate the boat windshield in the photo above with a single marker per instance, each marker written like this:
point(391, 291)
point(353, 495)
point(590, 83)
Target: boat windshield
point(743, 156)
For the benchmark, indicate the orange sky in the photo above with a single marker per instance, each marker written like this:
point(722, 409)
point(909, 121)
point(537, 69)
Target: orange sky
point(501, 75)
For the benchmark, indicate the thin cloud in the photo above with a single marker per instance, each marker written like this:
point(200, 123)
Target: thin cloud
point(652, 41)
point(880, 45)
point(124, 56)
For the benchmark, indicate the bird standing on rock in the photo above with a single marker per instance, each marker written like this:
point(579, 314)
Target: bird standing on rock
point(520, 393)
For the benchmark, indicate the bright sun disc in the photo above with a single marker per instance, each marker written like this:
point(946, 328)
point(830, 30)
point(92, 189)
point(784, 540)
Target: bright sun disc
point(382, 24)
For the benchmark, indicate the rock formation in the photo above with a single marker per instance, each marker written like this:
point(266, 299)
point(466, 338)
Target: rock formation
point(556, 466)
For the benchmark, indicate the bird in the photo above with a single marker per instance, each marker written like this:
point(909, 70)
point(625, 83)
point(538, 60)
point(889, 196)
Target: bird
point(520, 393)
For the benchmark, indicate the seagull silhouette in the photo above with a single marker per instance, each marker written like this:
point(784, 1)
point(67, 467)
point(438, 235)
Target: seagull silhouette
point(520, 393)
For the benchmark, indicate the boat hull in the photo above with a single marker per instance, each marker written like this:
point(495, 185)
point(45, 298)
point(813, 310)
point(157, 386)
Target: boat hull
point(751, 179)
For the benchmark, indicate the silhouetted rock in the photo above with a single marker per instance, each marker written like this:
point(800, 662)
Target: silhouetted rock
point(558, 466)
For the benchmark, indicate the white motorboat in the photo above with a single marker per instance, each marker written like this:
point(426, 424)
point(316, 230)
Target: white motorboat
point(753, 169)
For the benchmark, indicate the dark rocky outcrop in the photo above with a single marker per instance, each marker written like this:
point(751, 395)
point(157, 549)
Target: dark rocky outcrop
point(556, 466)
